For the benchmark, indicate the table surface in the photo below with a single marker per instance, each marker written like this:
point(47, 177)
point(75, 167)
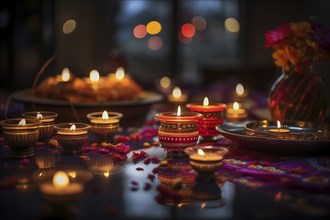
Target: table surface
point(249, 184)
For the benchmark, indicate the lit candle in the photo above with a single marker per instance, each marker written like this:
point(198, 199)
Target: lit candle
point(279, 129)
point(65, 75)
point(206, 160)
point(61, 187)
point(71, 136)
point(212, 116)
point(20, 134)
point(46, 127)
point(120, 73)
point(177, 96)
point(94, 77)
point(104, 124)
point(236, 113)
point(178, 131)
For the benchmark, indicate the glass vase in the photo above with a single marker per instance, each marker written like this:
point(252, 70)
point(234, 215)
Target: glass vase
point(298, 97)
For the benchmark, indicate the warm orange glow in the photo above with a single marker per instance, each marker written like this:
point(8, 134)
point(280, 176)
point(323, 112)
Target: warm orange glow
point(176, 92)
point(106, 174)
point(188, 30)
point(105, 115)
point(69, 26)
point(22, 122)
point(235, 106)
point(39, 115)
point(73, 127)
point(65, 74)
point(72, 174)
point(120, 73)
point(60, 180)
point(165, 82)
point(140, 31)
point(178, 112)
point(206, 102)
point(232, 25)
point(279, 124)
point(154, 27)
point(155, 43)
point(201, 152)
point(94, 76)
point(239, 89)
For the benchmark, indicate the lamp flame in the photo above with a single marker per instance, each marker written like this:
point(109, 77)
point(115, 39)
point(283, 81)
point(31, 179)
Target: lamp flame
point(22, 122)
point(60, 180)
point(206, 102)
point(94, 76)
point(105, 115)
point(120, 73)
point(178, 113)
point(239, 89)
point(235, 106)
point(73, 127)
point(201, 152)
point(39, 115)
point(106, 174)
point(65, 74)
point(278, 124)
point(176, 92)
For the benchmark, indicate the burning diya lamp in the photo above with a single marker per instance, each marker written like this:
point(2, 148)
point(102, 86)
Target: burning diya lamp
point(105, 124)
point(206, 160)
point(71, 136)
point(178, 131)
point(20, 135)
point(236, 113)
point(61, 194)
point(46, 127)
point(212, 116)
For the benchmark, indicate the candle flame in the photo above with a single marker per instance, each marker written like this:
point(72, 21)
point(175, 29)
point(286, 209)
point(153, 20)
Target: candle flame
point(106, 174)
point(120, 73)
point(235, 106)
point(239, 89)
point(278, 124)
point(176, 92)
point(165, 82)
point(73, 127)
point(206, 102)
point(105, 115)
point(60, 180)
point(65, 74)
point(22, 122)
point(94, 76)
point(201, 152)
point(73, 174)
point(178, 111)
point(39, 115)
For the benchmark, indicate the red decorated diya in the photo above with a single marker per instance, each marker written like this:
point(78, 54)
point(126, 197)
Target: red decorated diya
point(213, 115)
point(178, 131)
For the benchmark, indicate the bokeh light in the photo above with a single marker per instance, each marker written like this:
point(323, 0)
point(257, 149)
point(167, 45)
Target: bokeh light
point(154, 27)
point(199, 23)
point(165, 82)
point(155, 43)
point(140, 31)
point(69, 26)
point(232, 25)
point(184, 39)
point(188, 30)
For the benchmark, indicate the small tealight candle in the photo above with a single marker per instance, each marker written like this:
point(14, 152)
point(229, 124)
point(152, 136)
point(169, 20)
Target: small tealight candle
point(236, 113)
point(65, 75)
point(72, 136)
point(46, 127)
point(177, 96)
point(20, 134)
point(279, 129)
point(212, 116)
point(206, 160)
point(104, 124)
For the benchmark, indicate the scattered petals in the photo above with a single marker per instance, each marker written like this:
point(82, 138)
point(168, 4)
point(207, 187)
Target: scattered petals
point(84, 157)
point(147, 161)
point(24, 161)
point(151, 177)
point(137, 156)
point(155, 170)
point(147, 186)
point(155, 160)
point(139, 169)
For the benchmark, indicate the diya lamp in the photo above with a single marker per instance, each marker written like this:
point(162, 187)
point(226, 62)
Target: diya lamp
point(178, 131)
point(61, 194)
point(102, 166)
point(206, 160)
point(177, 97)
point(279, 129)
point(212, 116)
point(72, 136)
point(104, 124)
point(21, 135)
point(236, 113)
point(46, 127)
